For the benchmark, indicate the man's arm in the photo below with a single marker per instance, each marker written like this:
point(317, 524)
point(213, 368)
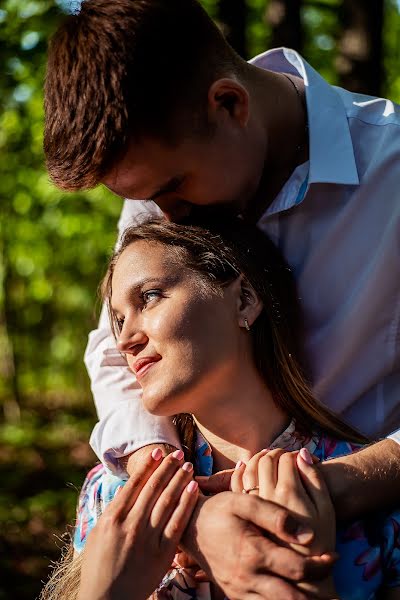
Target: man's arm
point(365, 481)
point(124, 426)
point(226, 537)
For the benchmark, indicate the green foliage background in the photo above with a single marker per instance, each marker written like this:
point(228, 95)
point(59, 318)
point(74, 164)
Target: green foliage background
point(53, 251)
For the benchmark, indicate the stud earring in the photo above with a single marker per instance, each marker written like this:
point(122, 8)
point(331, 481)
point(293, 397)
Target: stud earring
point(246, 324)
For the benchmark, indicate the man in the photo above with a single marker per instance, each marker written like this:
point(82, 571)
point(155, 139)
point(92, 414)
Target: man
point(147, 98)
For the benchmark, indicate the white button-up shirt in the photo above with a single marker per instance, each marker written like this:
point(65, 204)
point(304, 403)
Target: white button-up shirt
point(337, 222)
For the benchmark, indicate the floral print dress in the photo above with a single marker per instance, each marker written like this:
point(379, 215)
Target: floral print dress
point(369, 549)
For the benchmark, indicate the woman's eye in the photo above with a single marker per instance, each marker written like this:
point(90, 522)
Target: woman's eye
point(150, 295)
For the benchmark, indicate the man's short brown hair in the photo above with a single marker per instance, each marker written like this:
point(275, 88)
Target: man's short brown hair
point(124, 69)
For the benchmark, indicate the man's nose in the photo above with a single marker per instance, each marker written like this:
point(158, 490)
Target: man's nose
point(176, 210)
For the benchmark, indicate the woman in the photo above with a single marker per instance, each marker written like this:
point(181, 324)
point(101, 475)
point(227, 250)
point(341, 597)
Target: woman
point(209, 322)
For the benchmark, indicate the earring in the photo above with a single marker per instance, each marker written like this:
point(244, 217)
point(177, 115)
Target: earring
point(246, 324)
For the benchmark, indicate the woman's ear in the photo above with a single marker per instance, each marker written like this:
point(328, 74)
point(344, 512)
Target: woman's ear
point(248, 304)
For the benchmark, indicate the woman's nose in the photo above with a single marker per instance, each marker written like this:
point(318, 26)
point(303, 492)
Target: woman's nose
point(128, 341)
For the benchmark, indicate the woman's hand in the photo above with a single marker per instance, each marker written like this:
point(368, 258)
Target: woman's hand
point(133, 544)
point(290, 480)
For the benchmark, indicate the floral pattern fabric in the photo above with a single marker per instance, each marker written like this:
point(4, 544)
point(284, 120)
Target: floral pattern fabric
point(369, 549)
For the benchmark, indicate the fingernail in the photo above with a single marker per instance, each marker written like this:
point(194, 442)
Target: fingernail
point(178, 454)
point(239, 464)
point(192, 487)
point(330, 558)
point(157, 453)
point(117, 491)
point(302, 533)
point(306, 456)
point(187, 466)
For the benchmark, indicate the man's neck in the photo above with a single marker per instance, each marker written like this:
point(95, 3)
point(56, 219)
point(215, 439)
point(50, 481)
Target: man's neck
point(280, 108)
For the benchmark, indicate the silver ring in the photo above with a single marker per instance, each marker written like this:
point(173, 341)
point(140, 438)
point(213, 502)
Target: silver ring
point(256, 487)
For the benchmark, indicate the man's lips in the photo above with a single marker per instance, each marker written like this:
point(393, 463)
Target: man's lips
point(142, 365)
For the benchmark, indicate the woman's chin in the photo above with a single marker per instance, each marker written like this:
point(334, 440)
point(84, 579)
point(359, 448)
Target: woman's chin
point(159, 406)
point(164, 402)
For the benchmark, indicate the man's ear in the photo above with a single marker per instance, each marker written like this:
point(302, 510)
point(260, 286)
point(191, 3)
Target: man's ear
point(228, 97)
point(248, 304)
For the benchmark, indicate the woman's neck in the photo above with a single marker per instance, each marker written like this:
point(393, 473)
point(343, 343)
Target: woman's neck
point(242, 421)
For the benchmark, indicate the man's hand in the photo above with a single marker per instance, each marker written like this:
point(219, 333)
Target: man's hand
point(226, 537)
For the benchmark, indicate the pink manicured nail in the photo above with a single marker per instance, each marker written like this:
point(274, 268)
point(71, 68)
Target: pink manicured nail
point(117, 491)
point(192, 487)
point(157, 453)
point(178, 454)
point(239, 464)
point(187, 466)
point(306, 456)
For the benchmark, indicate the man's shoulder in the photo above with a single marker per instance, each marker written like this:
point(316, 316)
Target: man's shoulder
point(370, 110)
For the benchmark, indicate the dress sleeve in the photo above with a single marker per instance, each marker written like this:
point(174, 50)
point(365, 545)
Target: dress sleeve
point(124, 425)
point(98, 490)
point(391, 550)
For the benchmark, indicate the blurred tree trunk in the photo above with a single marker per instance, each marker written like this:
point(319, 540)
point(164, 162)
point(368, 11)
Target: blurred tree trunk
point(232, 14)
point(8, 367)
point(284, 18)
point(360, 59)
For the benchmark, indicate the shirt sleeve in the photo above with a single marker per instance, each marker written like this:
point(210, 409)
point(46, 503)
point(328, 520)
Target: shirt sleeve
point(124, 425)
point(395, 436)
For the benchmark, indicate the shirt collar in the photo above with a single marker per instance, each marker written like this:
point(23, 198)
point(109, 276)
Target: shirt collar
point(332, 157)
point(292, 438)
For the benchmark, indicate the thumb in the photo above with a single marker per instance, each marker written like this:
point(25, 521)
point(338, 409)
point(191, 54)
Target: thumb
point(219, 482)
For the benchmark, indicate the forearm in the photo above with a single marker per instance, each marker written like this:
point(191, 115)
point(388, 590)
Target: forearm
point(365, 481)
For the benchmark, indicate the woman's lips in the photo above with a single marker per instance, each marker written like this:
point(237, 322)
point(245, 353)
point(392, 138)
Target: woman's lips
point(143, 365)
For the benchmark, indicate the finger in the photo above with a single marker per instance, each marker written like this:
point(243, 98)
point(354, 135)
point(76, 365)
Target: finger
point(155, 485)
point(219, 482)
point(285, 562)
point(128, 494)
point(270, 586)
point(268, 473)
point(201, 576)
point(237, 477)
point(170, 497)
point(289, 483)
point(250, 475)
point(181, 515)
point(313, 481)
point(272, 517)
point(185, 561)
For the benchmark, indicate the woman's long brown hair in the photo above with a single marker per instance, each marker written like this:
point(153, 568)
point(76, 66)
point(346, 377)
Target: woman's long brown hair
point(219, 254)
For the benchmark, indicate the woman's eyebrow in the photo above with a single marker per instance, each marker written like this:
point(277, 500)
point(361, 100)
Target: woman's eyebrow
point(132, 290)
point(164, 281)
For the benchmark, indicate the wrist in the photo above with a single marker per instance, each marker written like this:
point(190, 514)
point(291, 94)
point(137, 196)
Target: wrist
point(130, 462)
point(189, 541)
